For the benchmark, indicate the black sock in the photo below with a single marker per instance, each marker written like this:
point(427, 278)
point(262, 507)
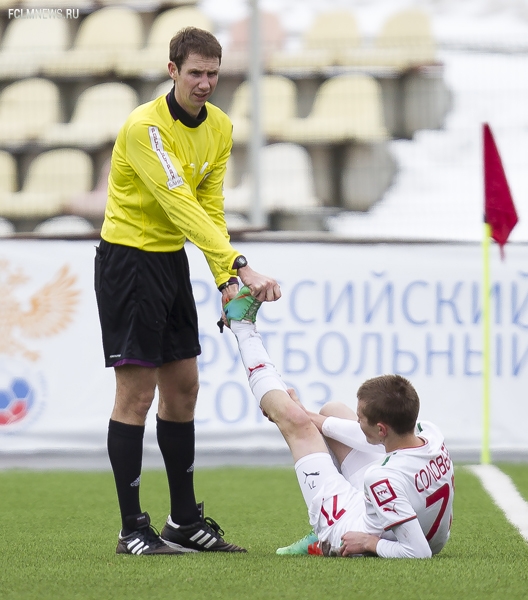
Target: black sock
point(125, 450)
point(176, 442)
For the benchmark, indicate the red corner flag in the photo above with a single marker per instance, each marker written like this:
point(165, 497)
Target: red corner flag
point(499, 210)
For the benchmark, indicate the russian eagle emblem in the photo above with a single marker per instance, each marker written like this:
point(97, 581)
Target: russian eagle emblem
point(50, 309)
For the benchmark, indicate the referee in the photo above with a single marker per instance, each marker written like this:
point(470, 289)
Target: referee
point(165, 187)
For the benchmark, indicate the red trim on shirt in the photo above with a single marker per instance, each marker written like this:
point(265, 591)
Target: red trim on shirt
point(399, 523)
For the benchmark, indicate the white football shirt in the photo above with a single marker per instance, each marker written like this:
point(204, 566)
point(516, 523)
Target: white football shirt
point(412, 483)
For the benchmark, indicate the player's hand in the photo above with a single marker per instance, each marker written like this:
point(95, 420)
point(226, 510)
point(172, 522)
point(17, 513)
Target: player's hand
point(293, 395)
point(262, 287)
point(355, 542)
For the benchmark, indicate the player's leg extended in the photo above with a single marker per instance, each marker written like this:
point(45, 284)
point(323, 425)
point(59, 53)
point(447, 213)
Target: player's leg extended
point(265, 382)
point(312, 460)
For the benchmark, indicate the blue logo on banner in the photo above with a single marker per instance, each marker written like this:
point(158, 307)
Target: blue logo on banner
point(21, 395)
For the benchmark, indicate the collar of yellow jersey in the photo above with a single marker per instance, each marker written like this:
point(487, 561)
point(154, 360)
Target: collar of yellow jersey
point(178, 114)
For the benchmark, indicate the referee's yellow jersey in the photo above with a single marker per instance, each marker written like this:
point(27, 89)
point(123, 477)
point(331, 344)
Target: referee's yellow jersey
point(165, 183)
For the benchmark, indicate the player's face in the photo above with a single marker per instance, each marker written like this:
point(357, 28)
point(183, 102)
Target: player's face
point(371, 431)
point(195, 82)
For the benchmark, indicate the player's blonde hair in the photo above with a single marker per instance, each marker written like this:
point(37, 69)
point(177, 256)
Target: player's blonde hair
point(390, 399)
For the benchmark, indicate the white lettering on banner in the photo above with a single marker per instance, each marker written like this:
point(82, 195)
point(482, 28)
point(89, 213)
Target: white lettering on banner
point(174, 180)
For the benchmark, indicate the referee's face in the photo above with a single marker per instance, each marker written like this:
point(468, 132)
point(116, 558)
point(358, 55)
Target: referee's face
point(195, 82)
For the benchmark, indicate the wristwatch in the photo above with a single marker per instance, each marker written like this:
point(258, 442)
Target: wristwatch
point(240, 261)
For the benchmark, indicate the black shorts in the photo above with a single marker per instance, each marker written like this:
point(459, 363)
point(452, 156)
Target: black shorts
point(146, 306)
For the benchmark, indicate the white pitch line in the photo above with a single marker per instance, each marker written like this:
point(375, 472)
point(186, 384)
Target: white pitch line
point(505, 495)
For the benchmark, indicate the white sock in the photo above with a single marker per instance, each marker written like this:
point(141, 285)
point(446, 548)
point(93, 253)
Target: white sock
point(261, 372)
point(311, 471)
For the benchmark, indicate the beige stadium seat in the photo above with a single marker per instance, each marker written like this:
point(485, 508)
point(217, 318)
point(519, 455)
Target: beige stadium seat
point(99, 113)
point(20, 121)
point(6, 228)
point(235, 57)
point(64, 225)
point(92, 204)
point(53, 178)
point(152, 60)
point(278, 106)
point(84, 4)
point(8, 185)
point(102, 36)
point(405, 41)
point(322, 42)
point(148, 5)
point(29, 43)
point(346, 107)
point(8, 173)
point(162, 89)
point(287, 182)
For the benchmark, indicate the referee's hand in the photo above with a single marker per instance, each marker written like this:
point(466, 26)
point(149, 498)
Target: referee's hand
point(263, 288)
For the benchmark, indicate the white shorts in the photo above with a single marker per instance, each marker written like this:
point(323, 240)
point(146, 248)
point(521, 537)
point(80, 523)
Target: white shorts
point(337, 506)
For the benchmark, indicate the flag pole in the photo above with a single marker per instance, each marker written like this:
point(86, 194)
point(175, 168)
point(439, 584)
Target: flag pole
point(500, 217)
point(486, 354)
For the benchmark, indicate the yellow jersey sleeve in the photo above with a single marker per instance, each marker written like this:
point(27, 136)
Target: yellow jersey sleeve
point(154, 202)
point(210, 194)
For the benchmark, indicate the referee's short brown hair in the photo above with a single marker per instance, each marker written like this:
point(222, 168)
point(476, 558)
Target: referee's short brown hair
point(191, 40)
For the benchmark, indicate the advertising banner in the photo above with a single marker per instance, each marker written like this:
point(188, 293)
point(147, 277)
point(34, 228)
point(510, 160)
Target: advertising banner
point(348, 312)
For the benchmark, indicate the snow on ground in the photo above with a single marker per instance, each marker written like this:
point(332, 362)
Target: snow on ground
point(438, 190)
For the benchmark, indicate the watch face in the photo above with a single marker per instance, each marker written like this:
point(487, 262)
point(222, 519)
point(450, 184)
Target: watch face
point(240, 262)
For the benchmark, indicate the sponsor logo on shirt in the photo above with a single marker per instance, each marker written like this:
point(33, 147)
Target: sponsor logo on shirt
point(383, 492)
point(173, 179)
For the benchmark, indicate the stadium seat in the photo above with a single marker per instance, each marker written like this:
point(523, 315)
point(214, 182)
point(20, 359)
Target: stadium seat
point(346, 107)
point(99, 113)
point(162, 89)
point(235, 58)
point(64, 225)
point(152, 60)
point(20, 122)
point(8, 173)
point(28, 43)
point(405, 41)
point(6, 228)
point(92, 204)
point(329, 33)
point(8, 184)
point(148, 5)
point(101, 38)
point(278, 106)
point(80, 4)
point(52, 179)
point(287, 182)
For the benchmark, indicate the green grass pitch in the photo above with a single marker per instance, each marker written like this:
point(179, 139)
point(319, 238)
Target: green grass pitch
point(58, 534)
